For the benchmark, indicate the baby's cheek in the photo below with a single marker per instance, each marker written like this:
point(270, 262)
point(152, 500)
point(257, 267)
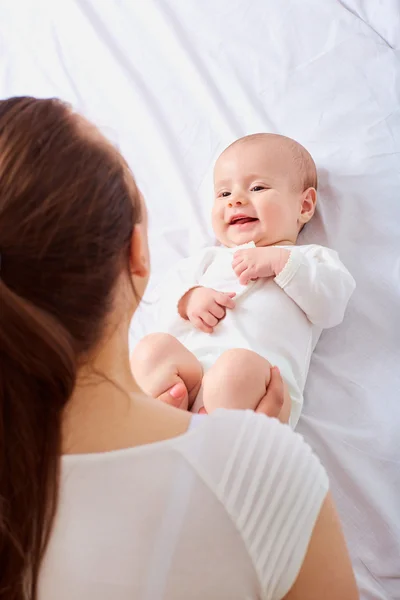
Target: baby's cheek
point(273, 213)
point(218, 223)
point(216, 216)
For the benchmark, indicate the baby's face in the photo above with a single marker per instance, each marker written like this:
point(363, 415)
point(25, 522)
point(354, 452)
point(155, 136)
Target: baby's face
point(255, 196)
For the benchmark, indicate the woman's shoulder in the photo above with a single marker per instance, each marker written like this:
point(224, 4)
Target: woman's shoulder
point(269, 482)
point(229, 430)
point(231, 441)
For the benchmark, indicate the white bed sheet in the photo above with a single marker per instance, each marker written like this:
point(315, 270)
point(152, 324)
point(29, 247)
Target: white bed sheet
point(172, 82)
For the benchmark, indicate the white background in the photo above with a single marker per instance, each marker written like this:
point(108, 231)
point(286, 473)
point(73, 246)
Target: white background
point(172, 82)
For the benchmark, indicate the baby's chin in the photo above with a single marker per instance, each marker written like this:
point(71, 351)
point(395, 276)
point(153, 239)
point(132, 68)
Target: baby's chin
point(232, 242)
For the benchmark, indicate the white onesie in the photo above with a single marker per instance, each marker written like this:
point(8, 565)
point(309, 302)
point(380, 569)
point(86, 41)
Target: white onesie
point(280, 318)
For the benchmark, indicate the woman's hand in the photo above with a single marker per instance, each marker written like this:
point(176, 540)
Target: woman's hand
point(273, 401)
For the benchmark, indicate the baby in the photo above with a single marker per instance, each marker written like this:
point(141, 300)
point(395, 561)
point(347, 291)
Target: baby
point(229, 313)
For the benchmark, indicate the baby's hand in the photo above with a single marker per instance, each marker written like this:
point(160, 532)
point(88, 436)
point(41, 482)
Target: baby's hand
point(253, 263)
point(205, 307)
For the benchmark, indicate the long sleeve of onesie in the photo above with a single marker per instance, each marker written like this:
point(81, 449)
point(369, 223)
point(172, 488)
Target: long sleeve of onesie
point(318, 282)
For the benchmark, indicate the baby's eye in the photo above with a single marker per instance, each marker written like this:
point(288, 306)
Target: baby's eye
point(258, 188)
point(225, 194)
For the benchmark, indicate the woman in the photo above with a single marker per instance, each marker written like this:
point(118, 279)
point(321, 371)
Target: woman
point(104, 493)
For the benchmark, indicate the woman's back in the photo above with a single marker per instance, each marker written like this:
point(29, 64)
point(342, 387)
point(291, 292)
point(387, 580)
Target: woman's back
point(224, 511)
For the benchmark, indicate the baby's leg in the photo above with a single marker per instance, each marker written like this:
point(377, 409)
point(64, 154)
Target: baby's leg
point(239, 379)
point(166, 370)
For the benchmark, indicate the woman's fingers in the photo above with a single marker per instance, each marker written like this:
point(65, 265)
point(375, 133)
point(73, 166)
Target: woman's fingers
point(272, 403)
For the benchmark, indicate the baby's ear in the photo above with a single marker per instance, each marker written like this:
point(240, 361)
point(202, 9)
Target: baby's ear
point(308, 203)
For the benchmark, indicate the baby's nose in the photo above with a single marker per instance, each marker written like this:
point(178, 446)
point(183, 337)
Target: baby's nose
point(236, 202)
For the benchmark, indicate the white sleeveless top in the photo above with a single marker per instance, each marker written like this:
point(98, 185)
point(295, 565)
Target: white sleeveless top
point(222, 512)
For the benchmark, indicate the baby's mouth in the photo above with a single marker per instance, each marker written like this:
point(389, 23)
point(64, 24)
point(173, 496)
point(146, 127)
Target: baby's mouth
point(242, 220)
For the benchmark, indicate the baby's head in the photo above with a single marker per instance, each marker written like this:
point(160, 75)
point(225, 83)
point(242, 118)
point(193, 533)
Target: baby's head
point(265, 191)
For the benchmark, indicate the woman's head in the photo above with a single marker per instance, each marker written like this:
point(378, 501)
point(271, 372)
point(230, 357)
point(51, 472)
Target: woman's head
point(69, 235)
point(68, 205)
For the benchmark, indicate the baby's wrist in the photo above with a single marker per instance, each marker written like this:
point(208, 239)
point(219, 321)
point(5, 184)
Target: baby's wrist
point(282, 257)
point(183, 303)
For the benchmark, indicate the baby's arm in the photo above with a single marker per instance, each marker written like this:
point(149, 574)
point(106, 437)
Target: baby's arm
point(179, 281)
point(313, 276)
point(205, 307)
point(181, 297)
point(319, 283)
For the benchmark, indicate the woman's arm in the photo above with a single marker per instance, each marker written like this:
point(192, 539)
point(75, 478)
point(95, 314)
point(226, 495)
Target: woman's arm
point(326, 572)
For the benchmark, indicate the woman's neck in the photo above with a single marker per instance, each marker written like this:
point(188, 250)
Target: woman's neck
point(102, 396)
point(108, 411)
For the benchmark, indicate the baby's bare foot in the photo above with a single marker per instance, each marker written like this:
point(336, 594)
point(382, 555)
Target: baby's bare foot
point(176, 396)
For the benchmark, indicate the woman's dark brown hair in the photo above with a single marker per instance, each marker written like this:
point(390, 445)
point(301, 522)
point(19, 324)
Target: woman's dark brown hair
point(68, 205)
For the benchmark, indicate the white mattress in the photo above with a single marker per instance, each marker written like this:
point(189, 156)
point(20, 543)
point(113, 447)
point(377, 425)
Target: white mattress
point(172, 82)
